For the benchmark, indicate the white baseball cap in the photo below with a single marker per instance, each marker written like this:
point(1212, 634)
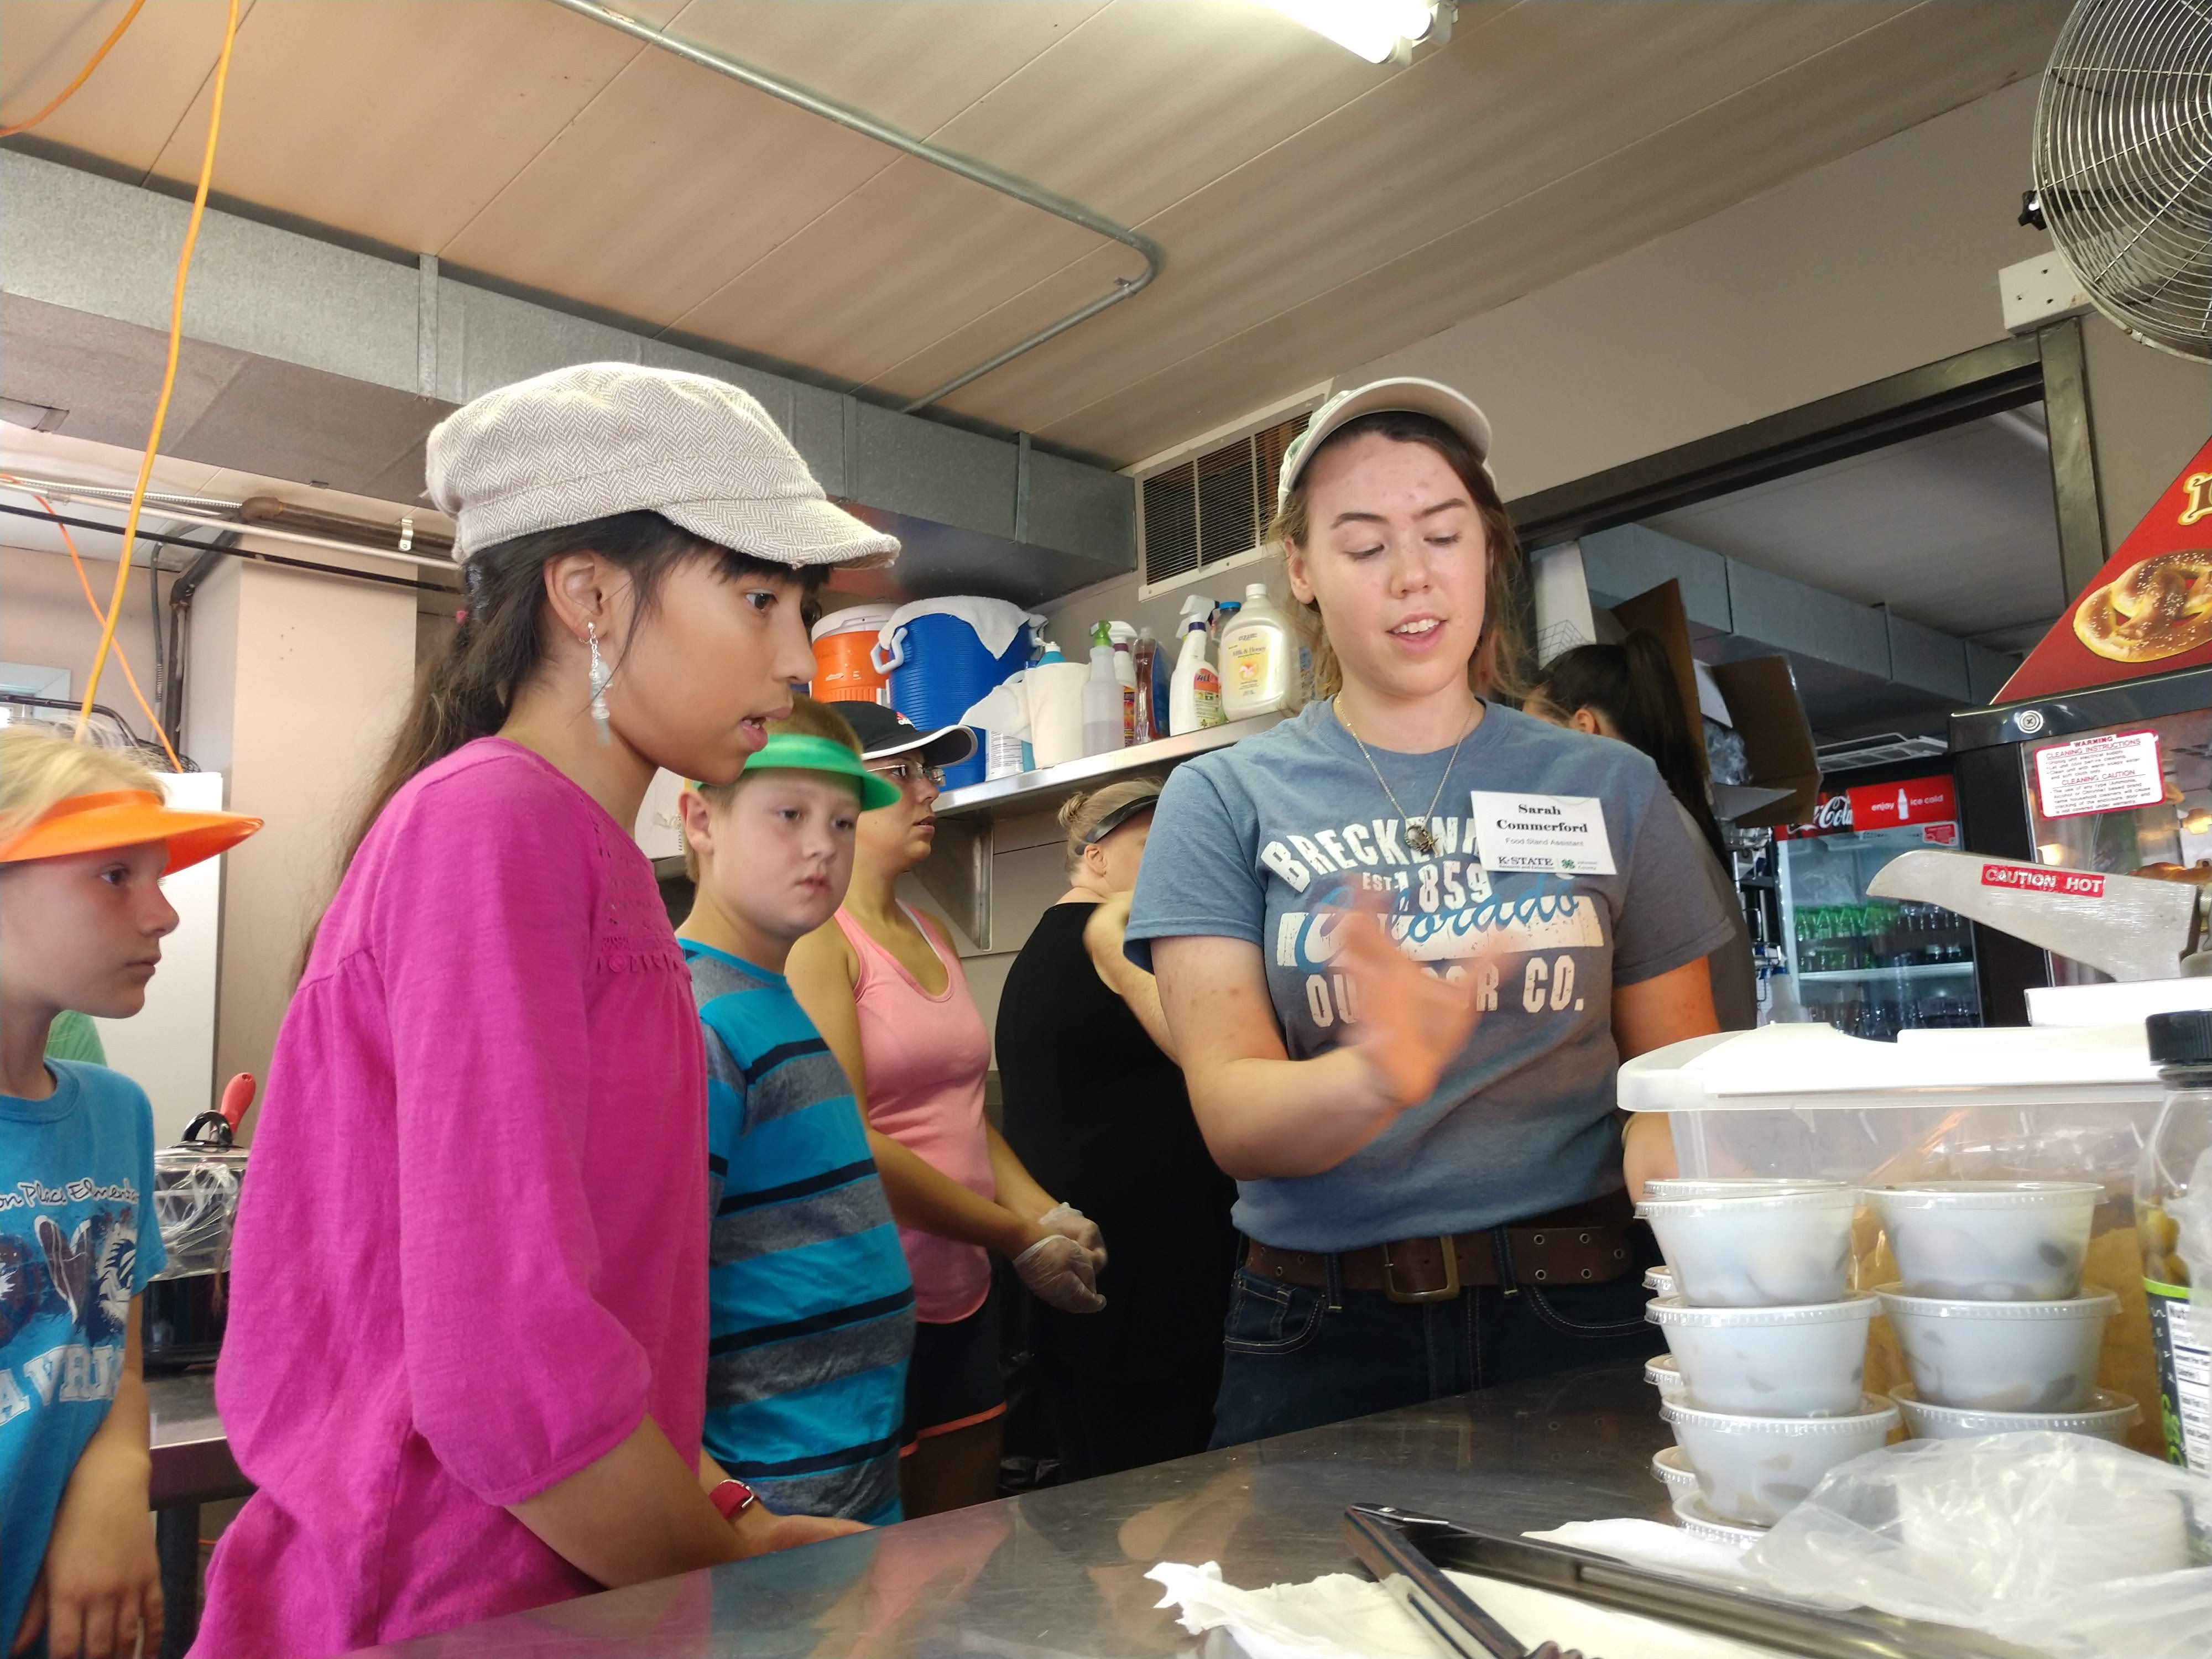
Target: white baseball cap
point(595, 439)
point(1408, 393)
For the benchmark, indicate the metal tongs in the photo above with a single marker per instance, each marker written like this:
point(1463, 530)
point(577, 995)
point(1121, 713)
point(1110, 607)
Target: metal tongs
point(1379, 1537)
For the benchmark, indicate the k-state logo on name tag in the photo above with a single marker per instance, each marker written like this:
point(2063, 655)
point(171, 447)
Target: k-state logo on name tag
point(1561, 835)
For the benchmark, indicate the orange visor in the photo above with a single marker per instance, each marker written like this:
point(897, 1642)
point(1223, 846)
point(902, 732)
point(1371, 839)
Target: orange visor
point(127, 817)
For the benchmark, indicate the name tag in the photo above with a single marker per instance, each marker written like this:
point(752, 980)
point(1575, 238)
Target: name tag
point(1558, 834)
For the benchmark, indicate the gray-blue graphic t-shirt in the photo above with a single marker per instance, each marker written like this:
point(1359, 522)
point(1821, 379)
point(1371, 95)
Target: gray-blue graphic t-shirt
point(1271, 839)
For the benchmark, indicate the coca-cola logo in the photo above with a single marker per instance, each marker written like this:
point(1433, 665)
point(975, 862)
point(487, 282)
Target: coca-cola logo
point(1834, 812)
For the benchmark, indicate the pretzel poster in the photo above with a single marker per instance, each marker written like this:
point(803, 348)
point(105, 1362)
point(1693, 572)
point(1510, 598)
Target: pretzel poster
point(2149, 611)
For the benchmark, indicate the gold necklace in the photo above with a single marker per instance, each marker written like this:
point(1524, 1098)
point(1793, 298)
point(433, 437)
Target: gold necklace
point(1418, 836)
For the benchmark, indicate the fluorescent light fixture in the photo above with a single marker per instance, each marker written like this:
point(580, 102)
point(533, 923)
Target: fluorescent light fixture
point(1374, 29)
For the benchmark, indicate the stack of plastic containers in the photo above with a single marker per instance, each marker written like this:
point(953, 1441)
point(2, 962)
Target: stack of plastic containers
point(1768, 1346)
point(1990, 1311)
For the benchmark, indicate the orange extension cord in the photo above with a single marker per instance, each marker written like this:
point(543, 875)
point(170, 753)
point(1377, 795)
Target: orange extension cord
point(91, 599)
point(168, 377)
point(82, 75)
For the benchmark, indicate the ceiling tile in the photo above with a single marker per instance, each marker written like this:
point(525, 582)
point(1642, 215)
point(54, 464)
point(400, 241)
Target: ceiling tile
point(916, 253)
point(671, 182)
point(1784, 125)
point(912, 63)
point(1465, 132)
point(676, 179)
point(1151, 102)
point(398, 120)
point(127, 112)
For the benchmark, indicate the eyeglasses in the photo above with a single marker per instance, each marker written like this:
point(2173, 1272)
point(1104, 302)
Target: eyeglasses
point(907, 773)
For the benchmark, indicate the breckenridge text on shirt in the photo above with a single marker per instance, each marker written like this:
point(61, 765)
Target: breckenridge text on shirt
point(1362, 846)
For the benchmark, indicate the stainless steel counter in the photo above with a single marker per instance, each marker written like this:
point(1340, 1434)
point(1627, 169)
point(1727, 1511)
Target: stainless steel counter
point(192, 1462)
point(1061, 1571)
point(192, 1466)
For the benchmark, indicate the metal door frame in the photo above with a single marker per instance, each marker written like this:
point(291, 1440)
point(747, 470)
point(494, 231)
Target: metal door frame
point(2044, 365)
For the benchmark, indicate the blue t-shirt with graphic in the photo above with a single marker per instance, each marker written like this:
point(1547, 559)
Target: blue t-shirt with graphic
point(810, 1306)
point(78, 1242)
point(1269, 840)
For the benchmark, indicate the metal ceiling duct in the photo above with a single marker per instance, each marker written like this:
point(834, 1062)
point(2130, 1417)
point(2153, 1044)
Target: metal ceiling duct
point(922, 149)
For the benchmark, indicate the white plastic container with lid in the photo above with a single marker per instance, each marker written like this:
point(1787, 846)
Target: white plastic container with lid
point(1259, 657)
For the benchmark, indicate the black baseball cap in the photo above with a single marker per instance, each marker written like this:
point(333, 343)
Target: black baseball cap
point(886, 734)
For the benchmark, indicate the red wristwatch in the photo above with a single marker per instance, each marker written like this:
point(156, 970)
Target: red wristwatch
point(733, 1499)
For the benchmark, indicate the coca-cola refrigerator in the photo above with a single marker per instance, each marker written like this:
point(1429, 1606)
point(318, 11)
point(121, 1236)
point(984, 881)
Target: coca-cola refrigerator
point(1870, 967)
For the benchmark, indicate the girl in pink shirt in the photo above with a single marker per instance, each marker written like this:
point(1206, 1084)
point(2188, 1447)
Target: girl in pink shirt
point(466, 1360)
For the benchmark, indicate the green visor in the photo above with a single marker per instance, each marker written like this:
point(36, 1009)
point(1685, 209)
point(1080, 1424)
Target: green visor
point(789, 751)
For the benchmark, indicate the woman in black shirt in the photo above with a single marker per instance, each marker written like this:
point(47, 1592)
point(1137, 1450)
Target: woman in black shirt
point(1096, 1108)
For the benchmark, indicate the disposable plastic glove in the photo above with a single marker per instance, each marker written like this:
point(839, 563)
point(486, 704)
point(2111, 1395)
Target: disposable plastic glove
point(1071, 1223)
point(1060, 1273)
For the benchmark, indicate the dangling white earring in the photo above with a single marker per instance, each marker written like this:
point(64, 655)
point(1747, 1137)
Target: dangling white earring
point(600, 674)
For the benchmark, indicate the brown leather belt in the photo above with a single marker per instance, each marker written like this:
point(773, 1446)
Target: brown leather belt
point(1582, 1244)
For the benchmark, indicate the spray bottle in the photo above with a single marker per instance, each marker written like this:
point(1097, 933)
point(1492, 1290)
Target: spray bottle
point(1124, 670)
point(1103, 695)
point(1193, 690)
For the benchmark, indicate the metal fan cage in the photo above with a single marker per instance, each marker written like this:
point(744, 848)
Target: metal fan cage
point(2123, 164)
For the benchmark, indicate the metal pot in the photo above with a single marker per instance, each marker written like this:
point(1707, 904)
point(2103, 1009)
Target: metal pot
point(196, 1183)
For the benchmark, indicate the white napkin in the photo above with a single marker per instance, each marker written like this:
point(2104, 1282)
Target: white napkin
point(1342, 1617)
point(995, 621)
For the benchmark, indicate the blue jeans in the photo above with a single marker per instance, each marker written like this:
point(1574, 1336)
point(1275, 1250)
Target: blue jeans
point(1299, 1356)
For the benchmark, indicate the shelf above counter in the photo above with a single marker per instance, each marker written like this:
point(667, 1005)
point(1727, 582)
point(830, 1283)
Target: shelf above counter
point(957, 874)
point(1040, 791)
point(1917, 970)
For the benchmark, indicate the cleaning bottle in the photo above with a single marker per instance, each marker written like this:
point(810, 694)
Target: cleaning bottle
point(1151, 686)
point(1122, 636)
point(1259, 661)
point(1194, 689)
point(1102, 698)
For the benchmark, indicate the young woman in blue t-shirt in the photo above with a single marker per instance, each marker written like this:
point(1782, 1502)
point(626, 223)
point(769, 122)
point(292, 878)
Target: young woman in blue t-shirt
point(1403, 942)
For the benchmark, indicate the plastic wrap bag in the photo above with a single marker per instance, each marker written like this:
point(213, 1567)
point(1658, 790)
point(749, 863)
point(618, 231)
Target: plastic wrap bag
point(196, 1206)
point(2056, 1542)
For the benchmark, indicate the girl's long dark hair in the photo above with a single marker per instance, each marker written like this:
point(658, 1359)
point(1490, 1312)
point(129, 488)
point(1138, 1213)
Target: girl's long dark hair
point(1632, 685)
point(502, 640)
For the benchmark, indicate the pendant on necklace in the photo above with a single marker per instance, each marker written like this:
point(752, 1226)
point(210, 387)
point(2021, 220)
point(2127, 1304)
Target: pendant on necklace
point(1419, 838)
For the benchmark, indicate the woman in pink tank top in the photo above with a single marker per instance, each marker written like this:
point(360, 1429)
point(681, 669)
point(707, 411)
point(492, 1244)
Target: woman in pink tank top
point(885, 987)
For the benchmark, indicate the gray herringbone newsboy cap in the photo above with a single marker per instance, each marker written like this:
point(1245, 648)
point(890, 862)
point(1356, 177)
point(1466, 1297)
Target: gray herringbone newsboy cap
point(597, 439)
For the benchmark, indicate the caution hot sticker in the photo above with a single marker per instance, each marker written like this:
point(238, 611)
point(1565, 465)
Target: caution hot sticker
point(2067, 883)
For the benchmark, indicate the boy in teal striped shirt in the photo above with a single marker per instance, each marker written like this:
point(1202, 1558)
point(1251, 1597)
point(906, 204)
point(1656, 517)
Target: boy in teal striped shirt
point(811, 1306)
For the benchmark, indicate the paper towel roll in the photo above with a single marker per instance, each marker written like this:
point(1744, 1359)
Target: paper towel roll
point(1055, 692)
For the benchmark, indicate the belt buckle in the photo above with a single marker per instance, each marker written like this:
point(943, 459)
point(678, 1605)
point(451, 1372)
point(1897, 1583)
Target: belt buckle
point(1448, 1290)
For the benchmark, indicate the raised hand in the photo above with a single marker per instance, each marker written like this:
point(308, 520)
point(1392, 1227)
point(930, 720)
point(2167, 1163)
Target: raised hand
point(1410, 1024)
